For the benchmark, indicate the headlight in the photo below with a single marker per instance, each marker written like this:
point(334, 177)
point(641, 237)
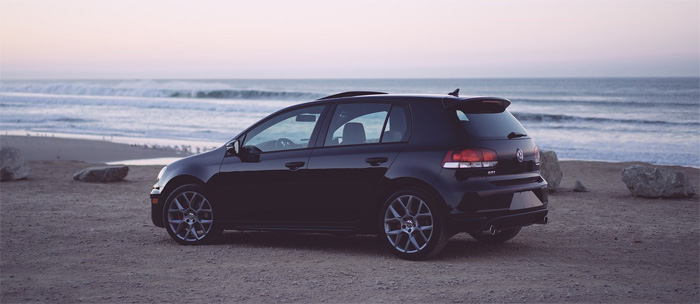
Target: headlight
point(160, 174)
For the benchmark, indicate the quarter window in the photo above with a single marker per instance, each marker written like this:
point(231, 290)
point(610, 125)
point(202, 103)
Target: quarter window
point(397, 125)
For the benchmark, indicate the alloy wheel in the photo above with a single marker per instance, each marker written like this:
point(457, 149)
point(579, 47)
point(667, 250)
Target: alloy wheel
point(190, 216)
point(408, 223)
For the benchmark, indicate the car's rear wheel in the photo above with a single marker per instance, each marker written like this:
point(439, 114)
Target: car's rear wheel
point(412, 225)
point(500, 236)
point(188, 216)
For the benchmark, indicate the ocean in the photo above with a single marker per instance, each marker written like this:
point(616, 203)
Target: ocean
point(655, 120)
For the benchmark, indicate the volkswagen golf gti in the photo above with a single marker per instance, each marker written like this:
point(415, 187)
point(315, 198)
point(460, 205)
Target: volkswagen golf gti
point(412, 169)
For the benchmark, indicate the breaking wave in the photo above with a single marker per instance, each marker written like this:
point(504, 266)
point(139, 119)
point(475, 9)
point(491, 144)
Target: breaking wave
point(537, 117)
point(181, 89)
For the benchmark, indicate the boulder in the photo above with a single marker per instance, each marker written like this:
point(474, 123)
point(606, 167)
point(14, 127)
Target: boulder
point(12, 164)
point(102, 174)
point(549, 169)
point(654, 182)
point(580, 187)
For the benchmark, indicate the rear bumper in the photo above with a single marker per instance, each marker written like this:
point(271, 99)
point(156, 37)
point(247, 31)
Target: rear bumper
point(500, 222)
point(474, 203)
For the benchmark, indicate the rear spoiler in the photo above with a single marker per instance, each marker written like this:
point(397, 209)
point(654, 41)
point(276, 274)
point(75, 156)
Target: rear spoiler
point(476, 104)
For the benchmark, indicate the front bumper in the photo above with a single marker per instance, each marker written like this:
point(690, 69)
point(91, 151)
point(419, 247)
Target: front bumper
point(157, 202)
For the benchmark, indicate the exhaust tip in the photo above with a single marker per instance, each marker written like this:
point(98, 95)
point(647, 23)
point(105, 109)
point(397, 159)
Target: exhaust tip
point(492, 230)
point(544, 220)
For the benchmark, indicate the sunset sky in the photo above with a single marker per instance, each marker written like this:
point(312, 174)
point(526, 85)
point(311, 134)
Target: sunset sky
point(347, 39)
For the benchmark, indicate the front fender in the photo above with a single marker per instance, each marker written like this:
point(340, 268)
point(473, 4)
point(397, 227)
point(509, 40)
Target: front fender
point(195, 169)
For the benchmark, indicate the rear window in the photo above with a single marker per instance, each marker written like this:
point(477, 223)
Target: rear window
point(490, 125)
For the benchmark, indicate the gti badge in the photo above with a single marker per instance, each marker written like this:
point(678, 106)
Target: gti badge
point(519, 154)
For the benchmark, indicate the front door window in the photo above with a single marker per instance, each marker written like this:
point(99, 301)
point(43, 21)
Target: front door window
point(291, 130)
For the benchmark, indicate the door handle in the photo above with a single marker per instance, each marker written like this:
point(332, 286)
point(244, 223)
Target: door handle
point(294, 165)
point(376, 161)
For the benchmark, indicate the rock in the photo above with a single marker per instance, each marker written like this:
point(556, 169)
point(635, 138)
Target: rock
point(653, 182)
point(102, 174)
point(12, 164)
point(549, 169)
point(580, 187)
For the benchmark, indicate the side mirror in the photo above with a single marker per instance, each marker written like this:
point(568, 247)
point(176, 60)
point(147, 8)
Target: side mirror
point(233, 148)
point(250, 154)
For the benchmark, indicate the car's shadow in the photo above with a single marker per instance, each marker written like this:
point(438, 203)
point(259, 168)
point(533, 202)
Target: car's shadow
point(459, 247)
point(352, 244)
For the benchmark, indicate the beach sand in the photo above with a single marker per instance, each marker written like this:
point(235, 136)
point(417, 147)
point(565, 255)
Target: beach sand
point(66, 241)
point(55, 148)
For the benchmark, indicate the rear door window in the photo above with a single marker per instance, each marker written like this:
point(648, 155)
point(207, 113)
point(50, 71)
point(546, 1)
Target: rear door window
point(368, 123)
point(356, 124)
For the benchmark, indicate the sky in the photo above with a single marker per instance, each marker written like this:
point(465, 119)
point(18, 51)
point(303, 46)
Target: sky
point(348, 39)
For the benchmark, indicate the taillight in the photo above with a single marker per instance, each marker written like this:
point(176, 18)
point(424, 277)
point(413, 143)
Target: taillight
point(470, 158)
point(537, 155)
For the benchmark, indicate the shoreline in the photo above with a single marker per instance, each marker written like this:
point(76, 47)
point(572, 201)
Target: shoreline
point(624, 162)
point(55, 150)
point(147, 151)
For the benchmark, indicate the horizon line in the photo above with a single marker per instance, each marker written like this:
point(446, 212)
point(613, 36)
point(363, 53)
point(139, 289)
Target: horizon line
point(339, 78)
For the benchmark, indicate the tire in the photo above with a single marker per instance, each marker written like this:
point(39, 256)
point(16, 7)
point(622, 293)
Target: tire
point(188, 216)
point(499, 237)
point(412, 225)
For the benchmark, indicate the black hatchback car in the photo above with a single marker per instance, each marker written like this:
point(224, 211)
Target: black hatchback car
point(413, 169)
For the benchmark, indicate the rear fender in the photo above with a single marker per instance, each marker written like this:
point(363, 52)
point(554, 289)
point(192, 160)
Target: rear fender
point(389, 187)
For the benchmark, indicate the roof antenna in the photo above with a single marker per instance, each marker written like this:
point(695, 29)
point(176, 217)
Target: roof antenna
point(455, 93)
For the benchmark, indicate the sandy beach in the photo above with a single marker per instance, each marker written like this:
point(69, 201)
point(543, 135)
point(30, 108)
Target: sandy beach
point(91, 151)
point(65, 241)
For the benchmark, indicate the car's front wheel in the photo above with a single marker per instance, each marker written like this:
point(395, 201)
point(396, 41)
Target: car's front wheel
point(189, 216)
point(412, 225)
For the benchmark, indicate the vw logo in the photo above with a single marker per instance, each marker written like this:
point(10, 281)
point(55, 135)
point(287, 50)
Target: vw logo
point(519, 155)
